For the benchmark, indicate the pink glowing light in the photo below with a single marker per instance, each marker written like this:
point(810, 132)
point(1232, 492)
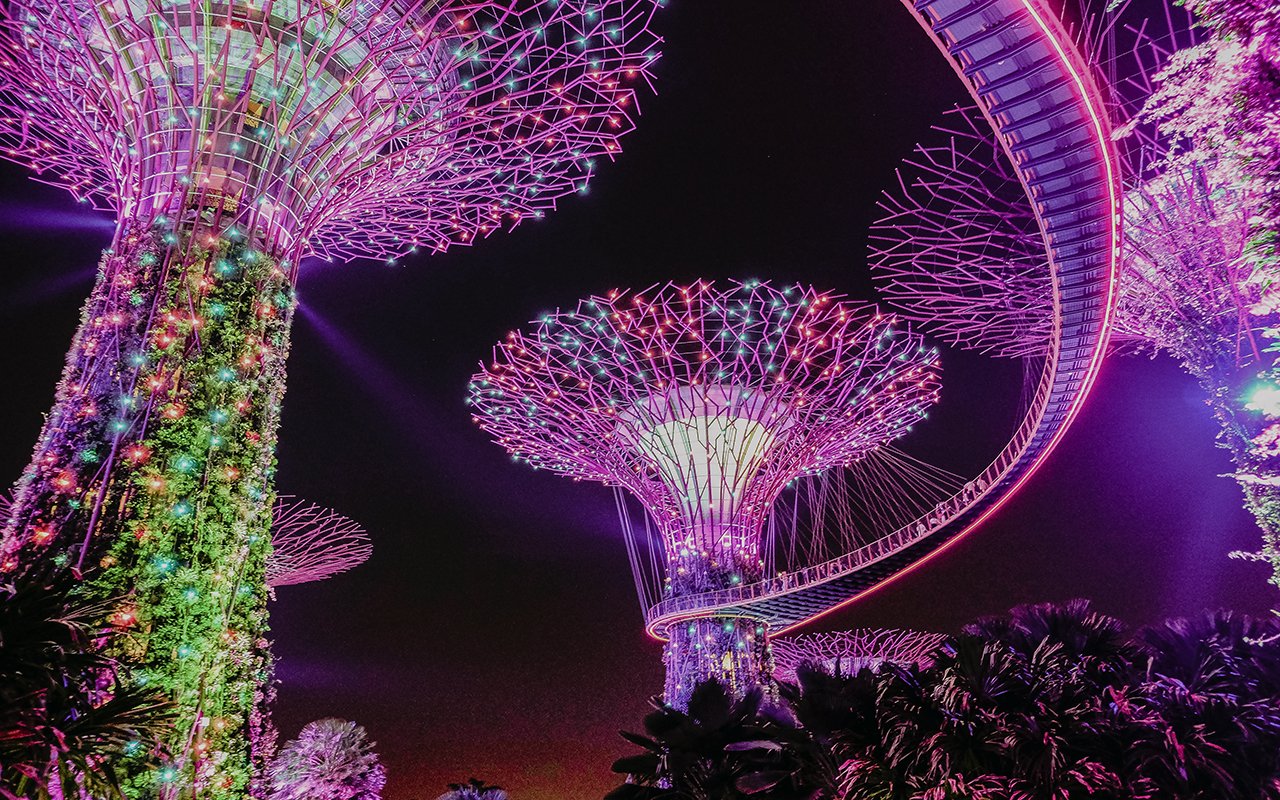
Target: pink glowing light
point(310, 543)
point(362, 129)
point(1088, 95)
point(704, 402)
point(972, 37)
point(848, 652)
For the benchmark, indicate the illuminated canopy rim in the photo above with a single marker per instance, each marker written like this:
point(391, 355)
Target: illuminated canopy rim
point(343, 128)
point(310, 543)
point(851, 651)
point(821, 381)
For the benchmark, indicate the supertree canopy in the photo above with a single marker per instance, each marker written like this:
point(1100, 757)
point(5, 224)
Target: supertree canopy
point(347, 129)
point(957, 245)
point(849, 652)
point(705, 402)
point(231, 140)
point(310, 543)
point(1188, 286)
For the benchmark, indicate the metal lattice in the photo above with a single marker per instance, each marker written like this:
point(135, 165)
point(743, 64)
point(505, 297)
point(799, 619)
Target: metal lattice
point(849, 652)
point(311, 543)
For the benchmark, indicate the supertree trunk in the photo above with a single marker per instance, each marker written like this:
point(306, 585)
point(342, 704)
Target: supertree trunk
point(733, 651)
point(153, 481)
point(1251, 433)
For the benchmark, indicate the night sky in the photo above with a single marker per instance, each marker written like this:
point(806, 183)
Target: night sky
point(495, 632)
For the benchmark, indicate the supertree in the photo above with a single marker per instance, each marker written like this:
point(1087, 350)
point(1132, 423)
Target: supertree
point(231, 140)
point(849, 652)
point(310, 543)
point(958, 250)
point(705, 402)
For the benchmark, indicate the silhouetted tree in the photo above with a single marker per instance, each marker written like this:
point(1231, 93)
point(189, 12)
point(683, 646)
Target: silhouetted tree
point(473, 790)
point(65, 718)
point(1049, 702)
point(720, 749)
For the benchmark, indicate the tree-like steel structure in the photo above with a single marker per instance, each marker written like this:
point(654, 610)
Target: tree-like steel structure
point(311, 543)
point(959, 253)
point(849, 652)
point(957, 245)
point(231, 140)
point(705, 402)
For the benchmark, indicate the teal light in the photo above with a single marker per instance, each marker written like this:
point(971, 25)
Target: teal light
point(1264, 397)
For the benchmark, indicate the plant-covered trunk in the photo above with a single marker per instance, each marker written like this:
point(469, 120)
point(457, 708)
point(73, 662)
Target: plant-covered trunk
point(733, 651)
point(153, 481)
point(1251, 433)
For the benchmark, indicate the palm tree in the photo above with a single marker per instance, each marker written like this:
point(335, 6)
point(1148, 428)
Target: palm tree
point(1009, 708)
point(65, 718)
point(1209, 708)
point(719, 749)
point(1031, 689)
point(1050, 702)
point(332, 759)
point(473, 790)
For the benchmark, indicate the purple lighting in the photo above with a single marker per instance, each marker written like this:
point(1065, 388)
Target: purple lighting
point(849, 652)
point(310, 543)
point(705, 402)
point(401, 124)
point(232, 140)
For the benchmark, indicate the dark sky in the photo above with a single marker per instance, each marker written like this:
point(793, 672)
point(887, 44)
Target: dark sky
point(495, 632)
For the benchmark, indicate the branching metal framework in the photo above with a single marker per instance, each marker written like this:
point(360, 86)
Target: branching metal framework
point(340, 128)
point(705, 402)
point(849, 652)
point(1187, 287)
point(310, 543)
point(1038, 93)
point(957, 245)
point(231, 139)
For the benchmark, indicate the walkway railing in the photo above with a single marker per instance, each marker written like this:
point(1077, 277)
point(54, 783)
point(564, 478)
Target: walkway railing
point(1037, 92)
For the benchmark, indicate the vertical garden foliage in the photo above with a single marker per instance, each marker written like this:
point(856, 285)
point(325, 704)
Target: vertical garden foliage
point(153, 481)
point(193, 562)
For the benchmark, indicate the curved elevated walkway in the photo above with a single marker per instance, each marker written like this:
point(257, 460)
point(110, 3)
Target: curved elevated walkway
point(1038, 93)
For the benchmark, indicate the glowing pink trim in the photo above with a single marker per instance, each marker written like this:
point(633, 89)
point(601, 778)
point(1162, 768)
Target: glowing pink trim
point(1055, 36)
point(1087, 95)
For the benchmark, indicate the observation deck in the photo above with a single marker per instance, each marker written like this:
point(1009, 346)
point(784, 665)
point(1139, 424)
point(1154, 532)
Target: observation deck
point(1036, 90)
